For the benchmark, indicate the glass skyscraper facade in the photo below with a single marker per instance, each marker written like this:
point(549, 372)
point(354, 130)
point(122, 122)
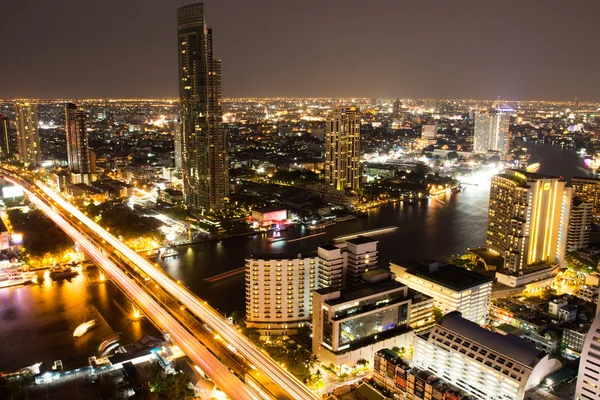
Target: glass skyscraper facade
point(204, 141)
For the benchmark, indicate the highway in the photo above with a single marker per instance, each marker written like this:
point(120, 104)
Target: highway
point(292, 387)
point(200, 308)
point(220, 374)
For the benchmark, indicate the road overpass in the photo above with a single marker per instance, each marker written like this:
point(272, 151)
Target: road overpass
point(73, 221)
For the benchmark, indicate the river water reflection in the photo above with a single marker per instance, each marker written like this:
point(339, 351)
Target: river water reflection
point(37, 321)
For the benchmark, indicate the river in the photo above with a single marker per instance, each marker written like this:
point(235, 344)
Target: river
point(37, 321)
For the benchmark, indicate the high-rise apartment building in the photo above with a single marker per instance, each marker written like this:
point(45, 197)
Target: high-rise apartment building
point(492, 132)
point(580, 225)
point(588, 379)
point(528, 218)
point(28, 137)
point(452, 288)
point(342, 148)
point(485, 364)
point(6, 145)
point(205, 166)
point(78, 151)
point(588, 190)
point(279, 292)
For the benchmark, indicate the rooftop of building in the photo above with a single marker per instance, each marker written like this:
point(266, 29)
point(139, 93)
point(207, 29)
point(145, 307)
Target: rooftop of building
point(362, 240)
point(509, 345)
point(585, 178)
point(391, 356)
point(328, 246)
point(268, 209)
point(281, 256)
point(360, 291)
point(448, 275)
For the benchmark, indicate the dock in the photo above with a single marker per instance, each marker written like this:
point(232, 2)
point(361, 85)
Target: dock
point(225, 275)
point(371, 232)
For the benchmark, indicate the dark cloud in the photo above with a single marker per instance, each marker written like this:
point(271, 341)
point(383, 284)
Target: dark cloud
point(422, 48)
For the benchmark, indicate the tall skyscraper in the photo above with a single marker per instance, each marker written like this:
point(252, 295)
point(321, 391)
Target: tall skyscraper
point(5, 138)
point(492, 132)
point(205, 165)
point(28, 137)
point(78, 151)
point(342, 151)
point(528, 218)
point(178, 146)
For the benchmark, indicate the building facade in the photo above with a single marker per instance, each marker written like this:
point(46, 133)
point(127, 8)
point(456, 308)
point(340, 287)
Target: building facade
point(429, 131)
point(78, 151)
point(588, 379)
point(28, 137)
point(485, 364)
point(580, 225)
point(528, 219)
point(588, 190)
point(6, 145)
point(342, 148)
point(279, 292)
point(492, 132)
point(354, 323)
point(204, 141)
point(452, 288)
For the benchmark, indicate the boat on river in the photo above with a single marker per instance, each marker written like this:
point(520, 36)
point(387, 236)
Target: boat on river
point(83, 328)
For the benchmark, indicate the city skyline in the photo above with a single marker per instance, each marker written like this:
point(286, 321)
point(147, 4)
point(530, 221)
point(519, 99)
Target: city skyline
point(421, 51)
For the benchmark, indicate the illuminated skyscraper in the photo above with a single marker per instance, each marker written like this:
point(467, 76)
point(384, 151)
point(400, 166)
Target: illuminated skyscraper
point(28, 137)
point(342, 151)
point(178, 147)
point(528, 218)
point(78, 151)
point(205, 166)
point(492, 132)
point(6, 145)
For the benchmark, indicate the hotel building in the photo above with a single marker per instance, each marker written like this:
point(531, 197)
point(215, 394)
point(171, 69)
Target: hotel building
point(279, 292)
point(528, 219)
point(485, 364)
point(452, 288)
point(588, 379)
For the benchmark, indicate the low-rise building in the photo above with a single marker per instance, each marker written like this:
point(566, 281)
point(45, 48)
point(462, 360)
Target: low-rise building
point(453, 288)
point(573, 337)
point(269, 214)
point(485, 364)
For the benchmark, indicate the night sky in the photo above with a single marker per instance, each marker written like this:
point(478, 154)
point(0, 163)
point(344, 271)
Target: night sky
point(522, 50)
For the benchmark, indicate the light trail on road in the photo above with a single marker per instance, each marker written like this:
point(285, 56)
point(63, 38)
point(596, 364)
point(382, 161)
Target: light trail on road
point(200, 308)
point(220, 374)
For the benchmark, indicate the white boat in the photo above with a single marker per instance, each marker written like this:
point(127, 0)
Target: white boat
point(10, 278)
point(83, 328)
point(168, 253)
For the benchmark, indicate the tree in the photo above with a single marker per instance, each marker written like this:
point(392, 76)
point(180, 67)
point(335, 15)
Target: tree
point(437, 314)
point(362, 362)
point(311, 361)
